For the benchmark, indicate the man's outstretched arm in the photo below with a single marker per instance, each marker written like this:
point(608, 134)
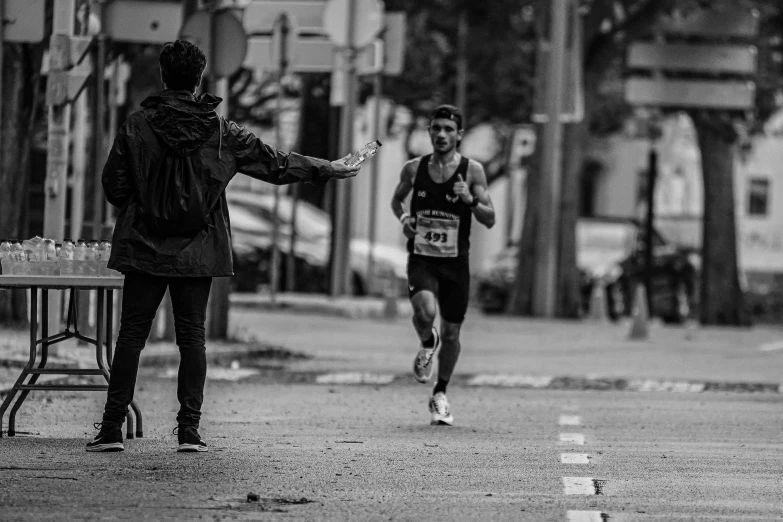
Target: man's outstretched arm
point(260, 161)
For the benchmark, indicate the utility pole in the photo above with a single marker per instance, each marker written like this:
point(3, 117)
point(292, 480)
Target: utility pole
point(59, 136)
point(546, 256)
point(282, 28)
point(218, 306)
point(462, 64)
point(2, 49)
point(652, 177)
point(374, 174)
point(99, 144)
point(341, 266)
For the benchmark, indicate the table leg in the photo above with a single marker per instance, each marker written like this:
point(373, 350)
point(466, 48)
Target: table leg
point(23, 376)
point(139, 426)
point(30, 362)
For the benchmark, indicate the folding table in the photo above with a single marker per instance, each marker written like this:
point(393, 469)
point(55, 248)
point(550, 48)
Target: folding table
point(105, 287)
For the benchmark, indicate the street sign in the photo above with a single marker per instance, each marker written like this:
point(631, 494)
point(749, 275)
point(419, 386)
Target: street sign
point(63, 87)
point(67, 76)
point(24, 20)
point(143, 21)
point(395, 27)
point(305, 16)
point(691, 93)
point(370, 58)
point(227, 53)
point(721, 22)
point(521, 145)
point(706, 58)
point(311, 55)
point(368, 16)
point(305, 55)
point(717, 22)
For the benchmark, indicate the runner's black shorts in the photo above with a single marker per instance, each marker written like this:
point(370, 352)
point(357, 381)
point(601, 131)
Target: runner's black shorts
point(447, 278)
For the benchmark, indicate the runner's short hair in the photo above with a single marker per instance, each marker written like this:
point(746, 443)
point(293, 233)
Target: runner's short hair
point(449, 112)
point(181, 65)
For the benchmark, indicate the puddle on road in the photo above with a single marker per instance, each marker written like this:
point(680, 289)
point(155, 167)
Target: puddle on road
point(218, 374)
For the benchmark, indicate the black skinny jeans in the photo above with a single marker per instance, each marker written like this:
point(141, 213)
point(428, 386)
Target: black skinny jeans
point(141, 297)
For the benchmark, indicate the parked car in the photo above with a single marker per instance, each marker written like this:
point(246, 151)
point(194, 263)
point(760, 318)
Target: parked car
point(611, 251)
point(252, 218)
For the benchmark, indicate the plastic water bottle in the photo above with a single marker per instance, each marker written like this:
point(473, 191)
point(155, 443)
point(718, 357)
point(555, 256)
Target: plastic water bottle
point(91, 258)
point(366, 152)
point(101, 258)
point(5, 256)
point(66, 257)
point(19, 261)
point(49, 257)
point(79, 257)
point(32, 248)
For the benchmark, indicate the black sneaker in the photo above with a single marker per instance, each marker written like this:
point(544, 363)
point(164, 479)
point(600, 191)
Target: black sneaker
point(108, 439)
point(189, 439)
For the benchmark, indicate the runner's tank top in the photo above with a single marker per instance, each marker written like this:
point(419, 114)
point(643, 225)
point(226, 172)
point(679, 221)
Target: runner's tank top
point(442, 219)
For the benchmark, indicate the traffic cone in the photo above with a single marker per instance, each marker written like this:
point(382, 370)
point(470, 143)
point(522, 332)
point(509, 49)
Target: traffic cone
point(640, 318)
point(597, 312)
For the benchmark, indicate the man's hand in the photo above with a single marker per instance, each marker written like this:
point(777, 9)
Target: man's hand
point(408, 227)
point(340, 170)
point(462, 190)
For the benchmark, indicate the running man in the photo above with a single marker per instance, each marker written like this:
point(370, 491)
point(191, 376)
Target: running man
point(448, 190)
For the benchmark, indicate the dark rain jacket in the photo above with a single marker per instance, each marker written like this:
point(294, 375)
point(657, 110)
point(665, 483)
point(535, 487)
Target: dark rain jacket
point(218, 149)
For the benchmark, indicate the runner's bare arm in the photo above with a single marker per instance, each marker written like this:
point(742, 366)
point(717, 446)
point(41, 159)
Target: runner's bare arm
point(477, 180)
point(404, 187)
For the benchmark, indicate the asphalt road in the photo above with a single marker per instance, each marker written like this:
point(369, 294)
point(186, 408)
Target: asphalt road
point(359, 452)
point(518, 451)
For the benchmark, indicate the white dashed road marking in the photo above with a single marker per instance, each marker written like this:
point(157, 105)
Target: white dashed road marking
point(574, 458)
point(354, 378)
point(579, 486)
point(572, 438)
point(586, 516)
point(772, 346)
point(666, 386)
point(522, 381)
point(569, 420)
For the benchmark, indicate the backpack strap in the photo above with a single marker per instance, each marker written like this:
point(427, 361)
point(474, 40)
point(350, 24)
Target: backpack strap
point(148, 134)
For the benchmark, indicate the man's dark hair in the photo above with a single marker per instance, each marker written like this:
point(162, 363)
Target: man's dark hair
point(181, 65)
point(449, 112)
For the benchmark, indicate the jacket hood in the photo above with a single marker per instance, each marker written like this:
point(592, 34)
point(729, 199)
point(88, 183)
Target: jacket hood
point(182, 121)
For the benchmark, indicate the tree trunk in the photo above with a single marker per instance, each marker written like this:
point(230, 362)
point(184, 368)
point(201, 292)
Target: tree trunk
point(722, 301)
point(520, 301)
point(568, 294)
point(18, 103)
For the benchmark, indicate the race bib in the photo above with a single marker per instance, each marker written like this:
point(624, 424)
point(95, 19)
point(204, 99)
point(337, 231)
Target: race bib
point(436, 237)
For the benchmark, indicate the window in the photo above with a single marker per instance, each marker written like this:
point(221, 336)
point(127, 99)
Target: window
point(758, 197)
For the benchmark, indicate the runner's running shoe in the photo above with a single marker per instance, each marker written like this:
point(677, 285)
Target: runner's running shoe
point(108, 439)
point(189, 439)
point(422, 364)
point(440, 410)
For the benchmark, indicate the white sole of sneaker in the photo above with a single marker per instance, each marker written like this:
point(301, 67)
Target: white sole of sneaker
point(114, 446)
point(190, 448)
point(442, 422)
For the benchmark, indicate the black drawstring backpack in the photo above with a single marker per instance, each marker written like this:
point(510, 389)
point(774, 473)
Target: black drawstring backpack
point(175, 203)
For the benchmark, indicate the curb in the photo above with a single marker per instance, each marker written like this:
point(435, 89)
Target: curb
point(547, 382)
point(363, 308)
point(529, 382)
